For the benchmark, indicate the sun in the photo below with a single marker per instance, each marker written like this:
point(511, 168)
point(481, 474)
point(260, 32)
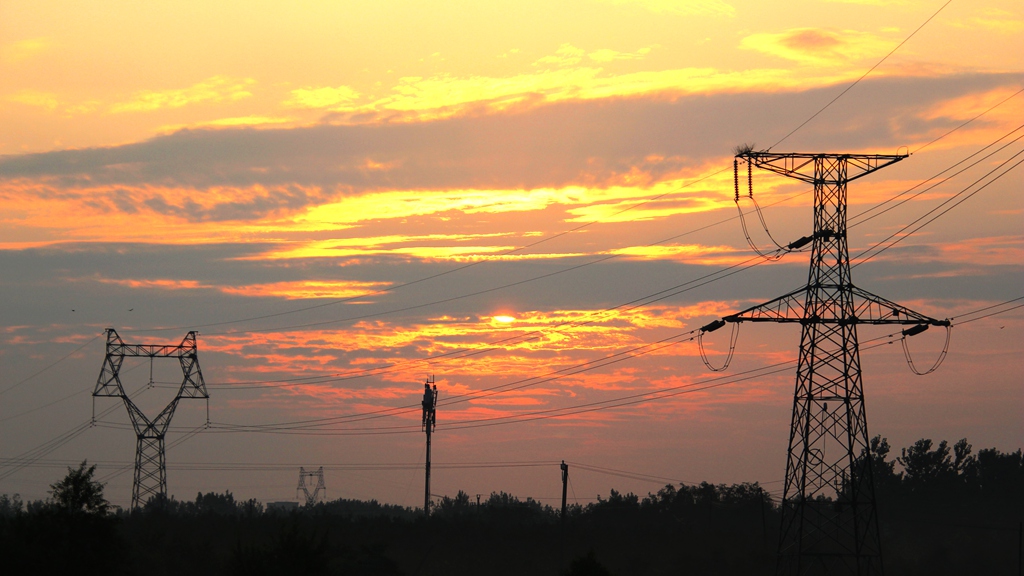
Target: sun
point(503, 319)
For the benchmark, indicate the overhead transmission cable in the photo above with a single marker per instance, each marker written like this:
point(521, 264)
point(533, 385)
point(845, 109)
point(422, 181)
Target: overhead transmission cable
point(51, 365)
point(994, 106)
point(525, 337)
point(918, 229)
point(29, 456)
point(439, 274)
point(711, 383)
point(21, 462)
point(560, 412)
point(928, 217)
point(863, 76)
point(584, 367)
point(780, 249)
point(944, 135)
point(864, 216)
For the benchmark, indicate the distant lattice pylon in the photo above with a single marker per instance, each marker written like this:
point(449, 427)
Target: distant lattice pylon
point(319, 493)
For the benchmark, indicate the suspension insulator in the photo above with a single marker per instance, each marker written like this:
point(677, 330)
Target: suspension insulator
point(736, 179)
point(797, 244)
point(712, 326)
point(750, 179)
point(915, 330)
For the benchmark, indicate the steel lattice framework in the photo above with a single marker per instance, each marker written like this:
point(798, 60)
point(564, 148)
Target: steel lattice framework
point(829, 514)
point(150, 460)
point(311, 499)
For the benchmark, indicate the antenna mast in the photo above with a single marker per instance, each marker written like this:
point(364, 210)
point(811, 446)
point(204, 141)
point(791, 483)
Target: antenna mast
point(428, 424)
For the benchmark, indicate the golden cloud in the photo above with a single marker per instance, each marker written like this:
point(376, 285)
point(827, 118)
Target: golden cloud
point(681, 7)
point(445, 95)
point(994, 20)
point(566, 55)
point(607, 55)
point(212, 90)
point(22, 50)
point(298, 289)
point(233, 122)
point(304, 289)
point(325, 97)
point(159, 284)
point(692, 253)
point(46, 100)
point(818, 46)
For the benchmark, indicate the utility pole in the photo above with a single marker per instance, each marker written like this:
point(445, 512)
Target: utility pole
point(311, 499)
point(565, 483)
point(150, 459)
point(428, 425)
point(829, 515)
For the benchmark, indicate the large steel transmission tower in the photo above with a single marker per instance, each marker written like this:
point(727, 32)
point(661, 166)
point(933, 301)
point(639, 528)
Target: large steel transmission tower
point(150, 461)
point(829, 516)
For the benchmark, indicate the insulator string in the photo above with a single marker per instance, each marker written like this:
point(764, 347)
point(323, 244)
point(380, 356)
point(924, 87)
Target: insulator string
point(938, 362)
point(733, 337)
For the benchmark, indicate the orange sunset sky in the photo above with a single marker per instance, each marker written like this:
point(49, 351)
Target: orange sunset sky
point(530, 201)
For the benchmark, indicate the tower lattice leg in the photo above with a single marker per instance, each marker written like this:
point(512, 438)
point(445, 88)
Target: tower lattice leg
point(150, 471)
point(829, 519)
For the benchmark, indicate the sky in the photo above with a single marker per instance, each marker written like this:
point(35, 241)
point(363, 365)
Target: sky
point(532, 202)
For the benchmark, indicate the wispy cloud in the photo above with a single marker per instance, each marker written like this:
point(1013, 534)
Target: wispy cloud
point(606, 55)
point(212, 90)
point(994, 20)
point(47, 100)
point(681, 7)
point(566, 55)
point(818, 46)
point(325, 97)
point(23, 50)
point(591, 157)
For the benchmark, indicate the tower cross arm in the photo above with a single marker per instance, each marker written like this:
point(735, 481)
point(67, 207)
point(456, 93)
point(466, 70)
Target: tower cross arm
point(786, 308)
point(801, 165)
point(872, 309)
point(867, 309)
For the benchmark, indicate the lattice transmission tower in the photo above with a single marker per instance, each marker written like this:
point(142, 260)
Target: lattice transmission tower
point(829, 514)
point(150, 460)
point(319, 493)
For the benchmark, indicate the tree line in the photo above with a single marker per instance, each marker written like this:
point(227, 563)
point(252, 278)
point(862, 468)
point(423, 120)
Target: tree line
point(943, 510)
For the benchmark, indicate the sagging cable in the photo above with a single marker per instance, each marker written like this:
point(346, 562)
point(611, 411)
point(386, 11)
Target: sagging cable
point(711, 327)
point(915, 330)
point(770, 256)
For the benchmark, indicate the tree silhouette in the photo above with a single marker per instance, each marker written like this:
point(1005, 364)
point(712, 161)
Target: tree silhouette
point(586, 566)
point(79, 493)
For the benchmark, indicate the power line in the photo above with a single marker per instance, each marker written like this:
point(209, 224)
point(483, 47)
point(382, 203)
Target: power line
point(51, 365)
point(29, 458)
point(857, 81)
point(320, 379)
point(1000, 103)
point(519, 384)
point(863, 215)
point(874, 250)
point(440, 274)
point(645, 396)
point(462, 353)
point(589, 407)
